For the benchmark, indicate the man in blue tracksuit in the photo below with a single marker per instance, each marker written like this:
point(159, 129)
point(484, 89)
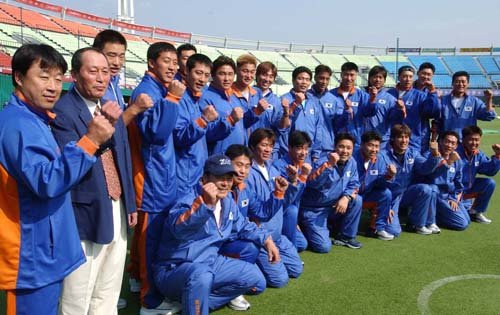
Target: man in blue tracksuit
point(220, 95)
point(382, 121)
point(184, 51)
point(446, 181)
point(153, 163)
point(476, 162)
point(264, 180)
point(332, 194)
point(303, 111)
point(187, 266)
point(332, 107)
point(358, 105)
point(424, 83)
point(295, 169)
point(414, 106)
point(405, 194)
point(273, 117)
point(459, 110)
point(375, 174)
point(194, 127)
point(39, 243)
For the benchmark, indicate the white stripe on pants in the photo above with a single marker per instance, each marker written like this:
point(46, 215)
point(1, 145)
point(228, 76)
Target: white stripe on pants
point(94, 288)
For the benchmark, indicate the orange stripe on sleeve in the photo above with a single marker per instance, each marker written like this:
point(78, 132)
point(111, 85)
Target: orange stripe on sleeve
point(258, 110)
point(279, 194)
point(201, 123)
point(188, 213)
point(173, 98)
point(138, 172)
point(87, 145)
point(10, 238)
point(231, 120)
point(319, 171)
point(11, 303)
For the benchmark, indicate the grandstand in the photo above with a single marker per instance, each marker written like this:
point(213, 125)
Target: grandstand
point(68, 29)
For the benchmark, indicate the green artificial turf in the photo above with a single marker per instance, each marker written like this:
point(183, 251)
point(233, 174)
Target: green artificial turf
point(387, 277)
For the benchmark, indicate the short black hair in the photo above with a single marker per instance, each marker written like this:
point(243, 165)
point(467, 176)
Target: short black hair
point(349, 66)
point(222, 61)
point(76, 60)
point(185, 47)
point(427, 65)
point(377, 70)
point(460, 74)
point(344, 136)
point(198, 58)
point(300, 70)
point(447, 133)
point(29, 54)
point(298, 138)
point(471, 130)
point(370, 136)
point(156, 49)
point(405, 68)
point(322, 68)
point(237, 150)
point(260, 134)
point(109, 36)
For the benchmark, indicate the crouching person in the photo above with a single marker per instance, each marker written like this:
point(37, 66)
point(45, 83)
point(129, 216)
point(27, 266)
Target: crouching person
point(188, 267)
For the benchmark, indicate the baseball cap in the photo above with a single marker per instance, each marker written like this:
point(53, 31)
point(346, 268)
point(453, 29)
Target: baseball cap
point(218, 165)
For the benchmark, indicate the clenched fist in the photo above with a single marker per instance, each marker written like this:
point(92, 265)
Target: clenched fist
point(333, 158)
point(263, 104)
point(177, 88)
point(100, 130)
point(306, 169)
point(453, 157)
point(210, 113)
point(292, 173)
point(391, 170)
point(280, 184)
point(237, 114)
point(209, 194)
point(111, 111)
point(300, 97)
point(496, 149)
point(142, 103)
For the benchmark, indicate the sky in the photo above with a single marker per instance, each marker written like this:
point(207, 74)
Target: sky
point(424, 23)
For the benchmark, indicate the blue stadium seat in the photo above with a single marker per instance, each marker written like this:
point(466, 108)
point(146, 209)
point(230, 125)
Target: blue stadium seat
point(391, 66)
point(462, 63)
point(442, 81)
point(479, 82)
point(489, 64)
point(495, 78)
point(418, 60)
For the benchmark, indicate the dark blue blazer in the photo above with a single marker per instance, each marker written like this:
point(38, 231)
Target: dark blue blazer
point(92, 206)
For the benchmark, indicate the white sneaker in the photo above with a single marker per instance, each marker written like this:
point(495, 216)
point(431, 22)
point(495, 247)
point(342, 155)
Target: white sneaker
point(167, 307)
point(239, 303)
point(384, 235)
point(423, 231)
point(481, 218)
point(122, 303)
point(134, 285)
point(434, 228)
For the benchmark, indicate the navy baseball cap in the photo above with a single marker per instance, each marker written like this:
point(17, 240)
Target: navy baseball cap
point(218, 165)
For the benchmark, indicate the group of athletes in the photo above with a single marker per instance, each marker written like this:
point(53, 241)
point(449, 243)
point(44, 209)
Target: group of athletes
point(224, 181)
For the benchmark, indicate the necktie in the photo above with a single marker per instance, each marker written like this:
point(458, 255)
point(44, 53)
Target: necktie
point(110, 172)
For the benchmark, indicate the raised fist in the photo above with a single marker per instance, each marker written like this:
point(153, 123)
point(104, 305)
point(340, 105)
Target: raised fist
point(209, 113)
point(281, 184)
point(299, 98)
point(434, 148)
point(100, 130)
point(333, 158)
point(488, 94)
point(373, 92)
point(111, 111)
point(263, 104)
point(237, 114)
point(400, 104)
point(292, 173)
point(391, 170)
point(142, 103)
point(177, 88)
point(306, 169)
point(496, 148)
point(286, 107)
point(453, 157)
point(209, 194)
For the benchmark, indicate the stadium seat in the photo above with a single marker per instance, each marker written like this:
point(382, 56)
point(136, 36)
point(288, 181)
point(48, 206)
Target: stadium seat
point(465, 63)
point(331, 60)
point(273, 57)
point(442, 81)
point(489, 65)
point(363, 61)
point(232, 53)
point(418, 60)
point(301, 59)
point(210, 52)
point(479, 82)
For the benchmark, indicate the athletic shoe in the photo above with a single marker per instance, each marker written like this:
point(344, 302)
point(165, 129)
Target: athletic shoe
point(239, 303)
point(423, 231)
point(165, 308)
point(384, 235)
point(480, 218)
point(134, 285)
point(349, 242)
point(434, 228)
point(122, 303)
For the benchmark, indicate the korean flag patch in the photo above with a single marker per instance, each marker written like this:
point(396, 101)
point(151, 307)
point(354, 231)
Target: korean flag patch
point(373, 172)
point(452, 169)
point(348, 173)
point(382, 101)
point(270, 107)
point(311, 111)
point(476, 164)
point(410, 160)
point(355, 104)
point(244, 203)
point(409, 103)
point(328, 105)
point(231, 216)
point(468, 108)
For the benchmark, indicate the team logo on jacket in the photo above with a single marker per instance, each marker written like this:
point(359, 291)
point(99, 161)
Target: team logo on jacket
point(244, 203)
point(354, 104)
point(476, 164)
point(468, 108)
point(270, 107)
point(231, 216)
point(382, 101)
point(328, 105)
point(348, 173)
point(411, 160)
point(452, 169)
point(373, 172)
point(311, 111)
point(409, 103)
